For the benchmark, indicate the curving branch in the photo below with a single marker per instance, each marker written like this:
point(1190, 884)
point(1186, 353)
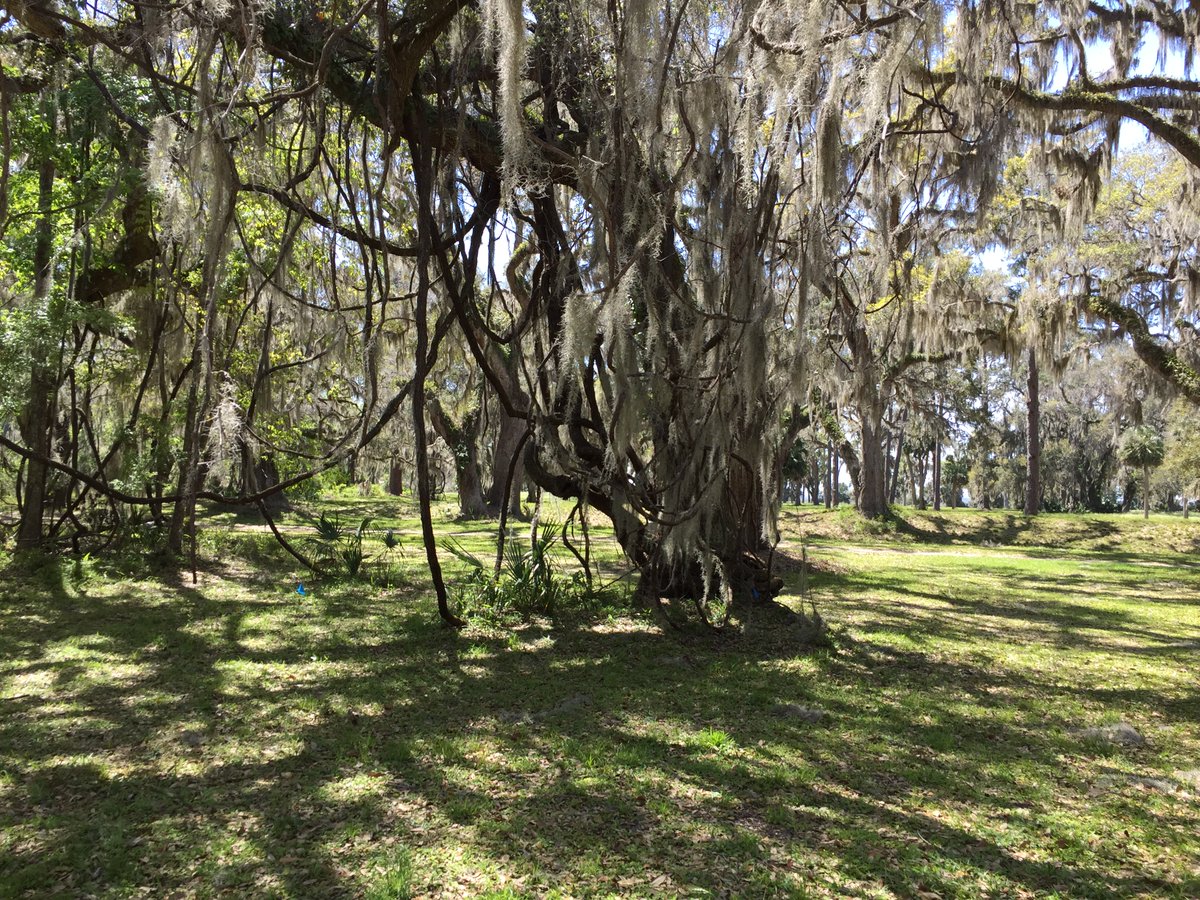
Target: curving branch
point(1162, 360)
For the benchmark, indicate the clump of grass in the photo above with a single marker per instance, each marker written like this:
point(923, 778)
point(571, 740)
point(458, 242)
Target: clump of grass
point(716, 740)
point(394, 880)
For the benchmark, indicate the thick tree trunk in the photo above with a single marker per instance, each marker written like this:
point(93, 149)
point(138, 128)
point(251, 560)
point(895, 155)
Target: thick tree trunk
point(471, 504)
point(1127, 498)
point(262, 474)
point(396, 479)
point(508, 441)
point(872, 499)
point(38, 416)
point(463, 443)
point(1033, 480)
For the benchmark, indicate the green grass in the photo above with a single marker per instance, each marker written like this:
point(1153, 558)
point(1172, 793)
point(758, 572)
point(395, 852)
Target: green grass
point(230, 738)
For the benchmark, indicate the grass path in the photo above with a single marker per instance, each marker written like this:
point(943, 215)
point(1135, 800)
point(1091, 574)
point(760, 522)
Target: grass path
point(230, 739)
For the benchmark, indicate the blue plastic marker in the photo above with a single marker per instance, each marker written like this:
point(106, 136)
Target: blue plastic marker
point(300, 589)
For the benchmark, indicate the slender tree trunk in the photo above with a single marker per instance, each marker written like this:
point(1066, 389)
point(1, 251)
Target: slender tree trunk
point(916, 477)
point(179, 513)
point(1145, 492)
point(937, 461)
point(1033, 426)
point(38, 415)
point(937, 475)
point(829, 475)
point(423, 176)
point(894, 489)
point(835, 466)
point(261, 473)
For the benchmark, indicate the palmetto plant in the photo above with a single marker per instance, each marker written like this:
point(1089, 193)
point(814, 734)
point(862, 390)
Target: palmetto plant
point(1142, 447)
point(337, 547)
point(392, 549)
point(526, 583)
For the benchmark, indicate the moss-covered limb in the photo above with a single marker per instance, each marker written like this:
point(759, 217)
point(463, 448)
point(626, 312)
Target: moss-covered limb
point(1166, 362)
point(906, 362)
point(1093, 99)
point(1167, 21)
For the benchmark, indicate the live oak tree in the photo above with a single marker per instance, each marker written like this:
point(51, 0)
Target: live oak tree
point(644, 227)
point(1183, 452)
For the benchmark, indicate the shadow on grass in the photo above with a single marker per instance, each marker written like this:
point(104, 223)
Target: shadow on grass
point(1028, 606)
point(230, 750)
point(999, 528)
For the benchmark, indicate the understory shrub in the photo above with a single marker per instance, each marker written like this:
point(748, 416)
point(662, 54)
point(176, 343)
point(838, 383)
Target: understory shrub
point(530, 582)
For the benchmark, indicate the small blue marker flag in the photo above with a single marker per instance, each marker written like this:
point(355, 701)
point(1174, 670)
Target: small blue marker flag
point(300, 590)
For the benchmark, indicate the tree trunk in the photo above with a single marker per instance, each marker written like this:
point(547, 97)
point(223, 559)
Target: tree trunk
point(471, 504)
point(829, 475)
point(835, 467)
point(217, 230)
point(916, 474)
point(396, 478)
point(937, 476)
point(426, 228)
point(261, 475)
point(179, 514)
point(463, 443)
point(38, 415)
point(1145, 492)
point(506, 454)
point(872, 499)
point(1033, 480)
point(894, 489)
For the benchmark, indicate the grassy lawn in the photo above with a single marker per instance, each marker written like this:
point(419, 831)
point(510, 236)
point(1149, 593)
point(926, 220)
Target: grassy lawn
point(232, 738)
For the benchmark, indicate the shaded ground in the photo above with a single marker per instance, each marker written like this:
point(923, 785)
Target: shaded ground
point(234, 739)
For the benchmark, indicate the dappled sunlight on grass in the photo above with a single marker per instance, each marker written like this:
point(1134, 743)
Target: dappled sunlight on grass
point(234, 738)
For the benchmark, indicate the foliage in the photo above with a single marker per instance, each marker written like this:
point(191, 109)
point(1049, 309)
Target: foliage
point(1142, 447)
point(1182, 456)
point(217, 291)
point(337, 547)
point(530, 582)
